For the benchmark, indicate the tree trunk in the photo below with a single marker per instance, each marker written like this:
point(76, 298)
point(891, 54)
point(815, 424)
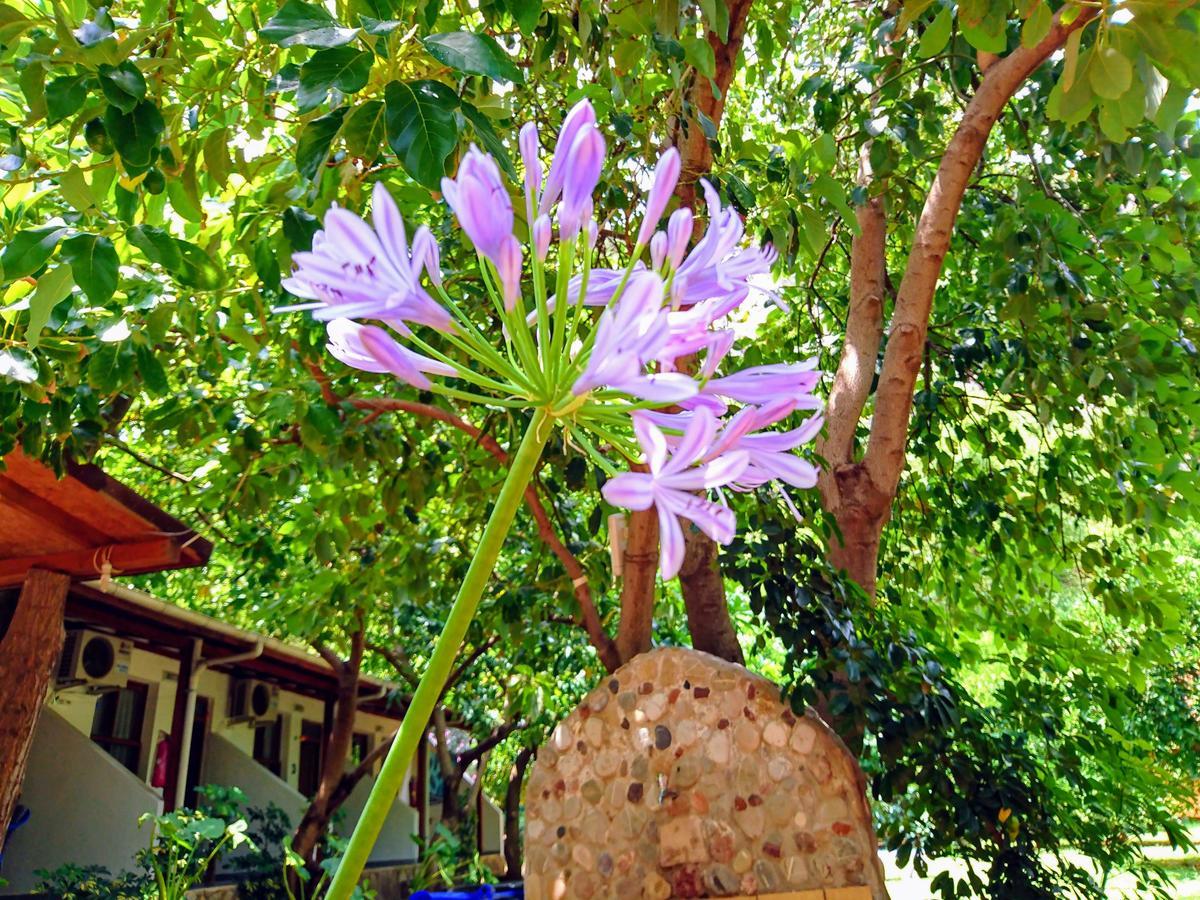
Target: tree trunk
point(709, 622)
point(859, 493)
point(703, 589)
point(512, 813)
point(331, 792)
point(638, 584)
point(29, 651)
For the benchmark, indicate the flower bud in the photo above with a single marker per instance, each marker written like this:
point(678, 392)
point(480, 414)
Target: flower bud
point(581, 114)
point(585, 161)
point(593, 233)
point(508, 264)
point(666, 174)
point(533, 166)
point(542, 232)
point(658, 250)
point(425, 254)
point(480, 200)
point(679, 233)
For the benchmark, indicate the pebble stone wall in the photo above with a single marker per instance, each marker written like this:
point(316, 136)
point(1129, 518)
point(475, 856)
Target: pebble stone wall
point(682, 775)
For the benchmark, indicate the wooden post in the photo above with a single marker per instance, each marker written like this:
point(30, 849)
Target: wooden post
point(29, 651)
point(423, 794)
point(187, 665)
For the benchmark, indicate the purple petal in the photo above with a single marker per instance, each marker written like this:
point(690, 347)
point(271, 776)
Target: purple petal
point(651, 440)
point(671, 546)
point(629, 490)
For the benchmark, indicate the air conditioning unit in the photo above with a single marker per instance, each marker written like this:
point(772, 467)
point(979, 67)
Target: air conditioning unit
point(251, 700)
point(94, 659)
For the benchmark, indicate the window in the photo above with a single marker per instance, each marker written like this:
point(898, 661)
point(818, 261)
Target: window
point(312, 739)
point(267, 745)
point(117, 724)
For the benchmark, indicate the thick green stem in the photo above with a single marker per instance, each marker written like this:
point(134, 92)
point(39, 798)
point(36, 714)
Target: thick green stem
point(416, 718)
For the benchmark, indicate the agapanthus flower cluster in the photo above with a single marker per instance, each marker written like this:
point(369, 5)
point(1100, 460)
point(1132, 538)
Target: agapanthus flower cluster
point(629, 360)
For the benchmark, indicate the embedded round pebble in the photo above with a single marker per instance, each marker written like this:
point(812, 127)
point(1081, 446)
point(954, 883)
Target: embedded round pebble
point(697, 782)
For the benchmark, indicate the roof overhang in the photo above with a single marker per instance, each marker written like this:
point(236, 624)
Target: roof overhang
point(78, 523)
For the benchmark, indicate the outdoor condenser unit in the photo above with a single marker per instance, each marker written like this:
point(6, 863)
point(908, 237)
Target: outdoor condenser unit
point(94, 659)
point(251, 700)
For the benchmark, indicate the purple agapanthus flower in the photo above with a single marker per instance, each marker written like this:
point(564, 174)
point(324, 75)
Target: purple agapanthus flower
point(674, 483)
point(638, 352)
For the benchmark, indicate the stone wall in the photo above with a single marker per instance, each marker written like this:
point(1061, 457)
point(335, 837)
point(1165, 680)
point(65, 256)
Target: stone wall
point(685, 776)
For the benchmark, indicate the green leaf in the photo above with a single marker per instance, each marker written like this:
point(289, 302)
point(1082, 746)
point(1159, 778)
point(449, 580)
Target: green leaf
point(421, 129)
point(826, 187)
point(123, 86)
point(65, 96)
point(216, 156)
point(1070, 59)
point(985, 37)
point(135, 134)
point(109, 368)
point(936, 35)
point(312, 148)
point(51, 289)
point(343, 68)
point(73, 186)
point(474, 54)
point(525, 12)
point(488, 137)
point(95, 264)
point(305, 25)
point(154, 376)
point(364, 130)
point(1037, 26)
point(699, 55)
point(1110, 73)
point(910, 12)
point(158, 246)
point(825, 149)
point(28, 251)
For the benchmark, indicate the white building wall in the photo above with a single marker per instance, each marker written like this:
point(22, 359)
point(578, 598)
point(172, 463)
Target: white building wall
point(84, 807)
point(397, 840)
point(102, 820)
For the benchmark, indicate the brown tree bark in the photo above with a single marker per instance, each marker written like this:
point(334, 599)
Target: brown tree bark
point(512, 813)
point(703, 588)
point(29, 651)
point(859, 493)
point(640, 567)
point(331, 792)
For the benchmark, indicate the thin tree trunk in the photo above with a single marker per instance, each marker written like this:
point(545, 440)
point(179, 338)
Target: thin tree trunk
point(29, 650)
point(512, 813)
point(330, 794)
point(703, 588)
point(638, 584)
point(859, 494)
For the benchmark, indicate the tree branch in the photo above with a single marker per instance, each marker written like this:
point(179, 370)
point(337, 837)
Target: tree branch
point(884, 459)
point(334, 661)
point(499, 733)
point(398, 659)
point(589, 615)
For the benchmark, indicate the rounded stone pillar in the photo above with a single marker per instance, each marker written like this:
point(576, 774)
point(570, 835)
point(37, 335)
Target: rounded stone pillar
point(683, 775)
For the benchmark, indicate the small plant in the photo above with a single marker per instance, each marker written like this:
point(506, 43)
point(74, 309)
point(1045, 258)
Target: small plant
point(185, 844)
point(75, 882)
point(443, 863)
